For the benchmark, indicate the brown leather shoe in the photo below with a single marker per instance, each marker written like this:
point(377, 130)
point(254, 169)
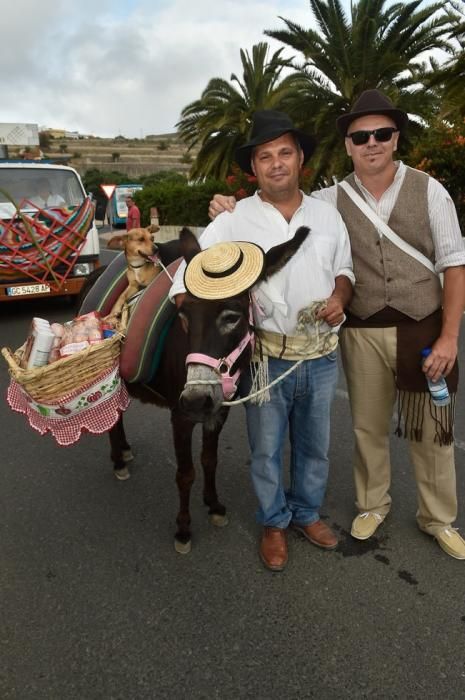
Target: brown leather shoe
point(318, 533)
point(273, 548)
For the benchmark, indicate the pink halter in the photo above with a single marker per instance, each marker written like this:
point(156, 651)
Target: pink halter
point(223, 365)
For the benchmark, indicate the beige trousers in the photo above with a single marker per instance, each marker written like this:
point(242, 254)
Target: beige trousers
point(369, 359)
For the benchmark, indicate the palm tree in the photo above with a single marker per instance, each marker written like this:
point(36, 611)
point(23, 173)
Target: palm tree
point(378, 46)
point(220, 120)
point(450, 78)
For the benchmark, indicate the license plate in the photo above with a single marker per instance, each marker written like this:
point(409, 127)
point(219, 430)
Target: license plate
point(28, 289)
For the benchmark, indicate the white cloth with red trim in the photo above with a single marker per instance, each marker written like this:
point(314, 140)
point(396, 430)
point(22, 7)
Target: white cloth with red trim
point(93, 408)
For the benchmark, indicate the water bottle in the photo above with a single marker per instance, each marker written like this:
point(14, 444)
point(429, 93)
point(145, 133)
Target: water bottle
point(438, 390)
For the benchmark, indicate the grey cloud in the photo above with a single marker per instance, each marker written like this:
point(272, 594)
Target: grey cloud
point(86, 66)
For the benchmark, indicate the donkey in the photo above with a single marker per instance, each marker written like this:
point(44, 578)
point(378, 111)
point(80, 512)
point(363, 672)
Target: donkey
point(196, 393)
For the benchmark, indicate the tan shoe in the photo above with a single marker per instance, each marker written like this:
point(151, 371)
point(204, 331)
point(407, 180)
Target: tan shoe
point(319, 534)
point(366, 524)
point(273, 548)
point(451, 542)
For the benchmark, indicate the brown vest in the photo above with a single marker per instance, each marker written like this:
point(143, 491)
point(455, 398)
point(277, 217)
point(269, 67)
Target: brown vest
point(386, 276)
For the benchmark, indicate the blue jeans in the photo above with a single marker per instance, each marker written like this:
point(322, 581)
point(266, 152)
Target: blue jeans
point(302, 402)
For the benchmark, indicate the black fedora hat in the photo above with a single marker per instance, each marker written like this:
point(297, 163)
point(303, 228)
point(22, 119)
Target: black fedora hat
point(372, 102)
point(267, 125)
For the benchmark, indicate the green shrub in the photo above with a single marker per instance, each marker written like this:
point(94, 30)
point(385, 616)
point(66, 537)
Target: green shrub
point(162, 175)
point(178, 203)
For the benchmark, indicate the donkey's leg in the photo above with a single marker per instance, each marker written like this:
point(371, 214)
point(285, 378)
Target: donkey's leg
point(209, 458)
point(120, 450)
point(185, 475)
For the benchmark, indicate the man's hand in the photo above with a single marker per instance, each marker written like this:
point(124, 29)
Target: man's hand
point(219, 204)
point(441, 358)
point(333, 313)
point(444, 350)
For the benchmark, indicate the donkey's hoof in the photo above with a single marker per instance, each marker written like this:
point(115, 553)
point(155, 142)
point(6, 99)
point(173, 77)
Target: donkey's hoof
point(182, 547)
point(127, 456)
point(219, 520)
point(122, 474)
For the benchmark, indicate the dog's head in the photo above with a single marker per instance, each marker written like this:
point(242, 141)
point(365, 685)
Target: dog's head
point(137, 243)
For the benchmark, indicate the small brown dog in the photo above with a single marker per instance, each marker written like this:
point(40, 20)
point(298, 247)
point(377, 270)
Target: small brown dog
point(139, 248)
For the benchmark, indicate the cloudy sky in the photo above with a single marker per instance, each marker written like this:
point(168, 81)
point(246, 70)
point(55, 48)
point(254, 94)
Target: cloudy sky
point(109, 67)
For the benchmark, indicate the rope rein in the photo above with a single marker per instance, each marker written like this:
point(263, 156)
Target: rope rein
point(236, 402)
point(306, 321)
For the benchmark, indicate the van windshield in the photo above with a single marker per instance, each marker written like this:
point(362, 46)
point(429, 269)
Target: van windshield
point(44, 188)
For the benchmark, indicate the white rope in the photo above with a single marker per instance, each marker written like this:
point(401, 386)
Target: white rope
point(164, 269)
point(262, 391)
point(193, 382)
point(306, 318)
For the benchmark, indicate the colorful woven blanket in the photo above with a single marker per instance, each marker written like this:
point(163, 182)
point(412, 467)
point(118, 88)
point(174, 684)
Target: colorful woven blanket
point(149, 321)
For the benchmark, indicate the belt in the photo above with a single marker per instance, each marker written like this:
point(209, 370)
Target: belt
point(295, 347)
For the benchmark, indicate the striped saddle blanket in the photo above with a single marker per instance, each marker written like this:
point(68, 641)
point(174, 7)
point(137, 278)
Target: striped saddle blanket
point(149, 322)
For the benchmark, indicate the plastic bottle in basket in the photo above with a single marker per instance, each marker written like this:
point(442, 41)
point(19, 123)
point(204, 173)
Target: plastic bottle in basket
point(39, 343)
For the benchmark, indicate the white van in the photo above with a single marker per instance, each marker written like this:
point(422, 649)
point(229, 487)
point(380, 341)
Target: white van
point(20, 182)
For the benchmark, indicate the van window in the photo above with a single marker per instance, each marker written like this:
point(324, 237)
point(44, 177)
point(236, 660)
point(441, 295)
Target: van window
point(23, 184)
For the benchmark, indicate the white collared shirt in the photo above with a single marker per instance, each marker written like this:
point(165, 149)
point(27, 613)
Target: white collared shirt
point(448, 243)
point(308, 276)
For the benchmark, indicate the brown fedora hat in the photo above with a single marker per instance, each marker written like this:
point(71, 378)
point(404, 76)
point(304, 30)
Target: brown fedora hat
point(267, 125)
point(372, 102)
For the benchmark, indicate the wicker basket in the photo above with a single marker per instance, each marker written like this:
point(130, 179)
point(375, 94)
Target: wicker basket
point(49, 383)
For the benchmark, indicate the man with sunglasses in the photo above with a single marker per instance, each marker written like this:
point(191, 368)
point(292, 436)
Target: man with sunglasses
point(397, 309)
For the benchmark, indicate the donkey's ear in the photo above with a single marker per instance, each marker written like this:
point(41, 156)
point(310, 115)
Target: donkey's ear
point(189, 244)
point(279, 255)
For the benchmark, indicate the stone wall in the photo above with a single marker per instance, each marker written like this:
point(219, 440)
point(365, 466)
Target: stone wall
point(134, 157)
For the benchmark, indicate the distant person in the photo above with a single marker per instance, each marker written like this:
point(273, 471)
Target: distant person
point(44, 197)
point(133, 218)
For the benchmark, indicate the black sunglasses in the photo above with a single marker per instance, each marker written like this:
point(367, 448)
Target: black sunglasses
point(384, 134)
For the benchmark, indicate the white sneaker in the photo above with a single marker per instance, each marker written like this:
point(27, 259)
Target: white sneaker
point(366, 524)
point(451, 542)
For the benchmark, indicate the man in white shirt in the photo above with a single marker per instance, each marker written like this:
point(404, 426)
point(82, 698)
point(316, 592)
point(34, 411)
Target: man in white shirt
point(298, 312)
point(44, 198)
point(397, 310)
